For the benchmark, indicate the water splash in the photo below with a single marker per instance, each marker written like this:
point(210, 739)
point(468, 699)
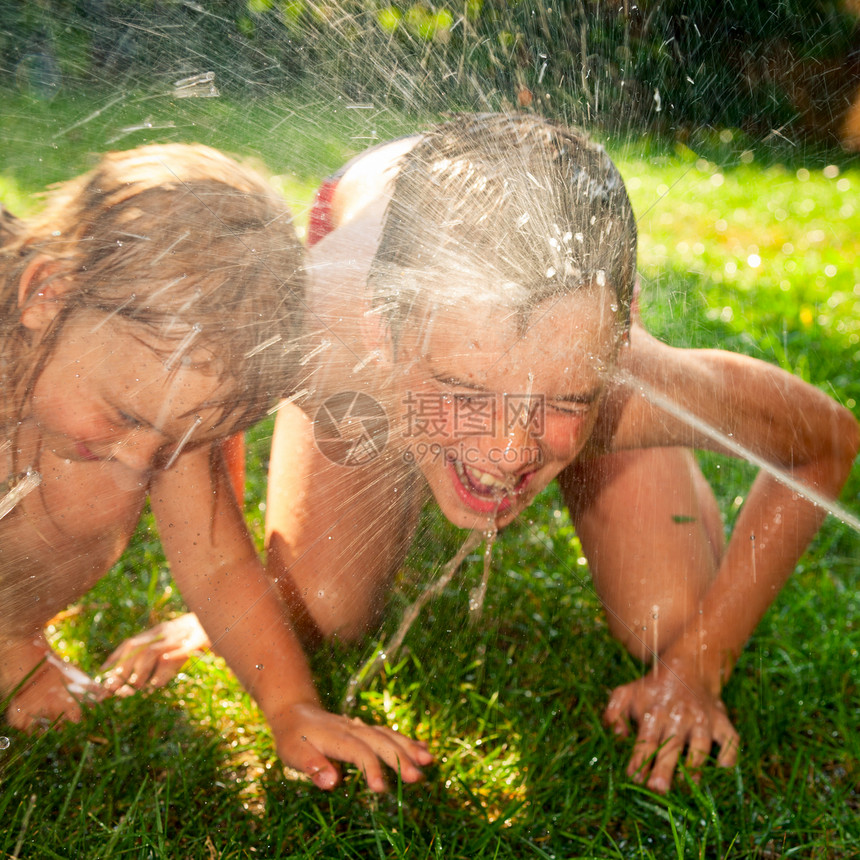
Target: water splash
point(741, 451)
point(183, 347)
point(109, 316)
point(373, 354)
point(287, 400)
point(384, 653)
point(200, 86)
point(90, 117)
point(183, 442)
point(146, 125)
point(655, 616)
point(314, 352)
point(264, 345)
point(16, 488)
point(477, 594)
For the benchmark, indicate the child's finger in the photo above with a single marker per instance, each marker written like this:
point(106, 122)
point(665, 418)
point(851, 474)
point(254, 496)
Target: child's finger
point(122, 654)
point(664, 765)
point(617, 712)
point(730, 743)
point(399, 752)
point(640, 762)
point(699, 749)
point(146, 667)
point(166, 668)
point(647, 744)
point(347, 748)
point(155, 655)
point(309, 739)
point(312, 762)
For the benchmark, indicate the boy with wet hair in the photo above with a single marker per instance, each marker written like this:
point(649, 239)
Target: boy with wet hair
point(478, 285)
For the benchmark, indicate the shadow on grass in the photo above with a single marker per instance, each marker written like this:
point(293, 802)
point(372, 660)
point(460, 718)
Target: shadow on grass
point(134, 778)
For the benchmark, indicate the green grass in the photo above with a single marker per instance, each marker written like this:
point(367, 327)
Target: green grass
point(511, 705)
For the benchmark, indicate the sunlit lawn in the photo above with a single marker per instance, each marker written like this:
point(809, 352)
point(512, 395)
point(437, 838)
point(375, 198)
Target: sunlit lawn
point(759, 257)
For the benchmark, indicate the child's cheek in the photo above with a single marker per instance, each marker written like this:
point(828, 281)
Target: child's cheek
point(564, 436)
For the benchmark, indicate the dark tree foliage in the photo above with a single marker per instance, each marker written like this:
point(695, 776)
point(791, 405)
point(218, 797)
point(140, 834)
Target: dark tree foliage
point(783, 67)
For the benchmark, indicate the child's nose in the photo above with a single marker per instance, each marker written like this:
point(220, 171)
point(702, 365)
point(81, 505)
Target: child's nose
point(138, 448)
point(512, 449)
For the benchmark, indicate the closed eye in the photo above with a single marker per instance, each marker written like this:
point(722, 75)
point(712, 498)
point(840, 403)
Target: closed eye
point(572, 410)
point(128, 420)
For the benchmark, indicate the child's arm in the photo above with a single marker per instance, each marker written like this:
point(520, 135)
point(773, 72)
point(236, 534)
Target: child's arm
point(785, 422)
point(223, 581)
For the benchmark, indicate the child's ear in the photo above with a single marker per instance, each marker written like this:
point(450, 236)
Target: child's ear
point(40, 293)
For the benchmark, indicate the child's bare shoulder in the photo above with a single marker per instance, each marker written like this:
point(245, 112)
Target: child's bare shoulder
point(338, 267)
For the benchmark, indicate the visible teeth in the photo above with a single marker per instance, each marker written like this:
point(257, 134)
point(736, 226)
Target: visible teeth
point(485, 479)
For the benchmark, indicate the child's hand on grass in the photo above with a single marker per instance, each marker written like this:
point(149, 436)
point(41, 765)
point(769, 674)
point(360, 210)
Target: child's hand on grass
point(672, 711)
point(308, 738)
point(153, 657)
point(53, 692)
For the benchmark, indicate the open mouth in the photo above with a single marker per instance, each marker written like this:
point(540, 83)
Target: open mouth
point(485, 492)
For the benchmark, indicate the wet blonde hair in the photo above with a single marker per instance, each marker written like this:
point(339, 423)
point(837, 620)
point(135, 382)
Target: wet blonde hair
point(180, 243)
point(510, 209)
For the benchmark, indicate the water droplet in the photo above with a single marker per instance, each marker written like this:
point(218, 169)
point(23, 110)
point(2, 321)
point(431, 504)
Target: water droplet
point(259, 665)
point(5, 743)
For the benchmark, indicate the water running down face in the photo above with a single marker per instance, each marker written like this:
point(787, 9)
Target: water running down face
point(489, 414)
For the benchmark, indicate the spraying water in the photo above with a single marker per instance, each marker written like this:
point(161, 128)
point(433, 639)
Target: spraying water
point(16, 488)
point(387, 652)
point(374, 76)
point(744, 453)
point(479, 593)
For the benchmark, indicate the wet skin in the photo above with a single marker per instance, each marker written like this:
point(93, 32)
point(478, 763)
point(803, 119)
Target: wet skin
point(627, 487)
point(104, 427)
point(482, 467)
point(97, 418)
point(648, 521)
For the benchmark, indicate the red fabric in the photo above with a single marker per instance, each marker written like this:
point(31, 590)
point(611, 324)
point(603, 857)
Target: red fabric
point(319, 223)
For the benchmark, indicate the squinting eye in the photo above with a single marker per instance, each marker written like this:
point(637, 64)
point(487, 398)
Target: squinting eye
point(127, 420)
point(572, 411)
